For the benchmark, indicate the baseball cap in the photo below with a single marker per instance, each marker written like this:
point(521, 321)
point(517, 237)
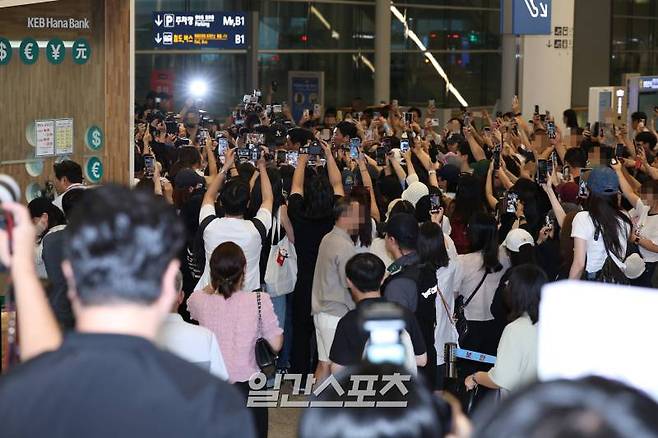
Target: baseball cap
point(414, 192)
point(404, 228)
point(449, 173)
point(603, 181)
point(187, 178)
point(516, 238)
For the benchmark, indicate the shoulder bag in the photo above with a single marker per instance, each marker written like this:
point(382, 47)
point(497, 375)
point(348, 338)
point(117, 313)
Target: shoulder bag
point(265, 355)
point(461, 324)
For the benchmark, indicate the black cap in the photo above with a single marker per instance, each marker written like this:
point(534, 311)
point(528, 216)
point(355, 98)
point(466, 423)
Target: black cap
point(404, 228)
point(187, 178)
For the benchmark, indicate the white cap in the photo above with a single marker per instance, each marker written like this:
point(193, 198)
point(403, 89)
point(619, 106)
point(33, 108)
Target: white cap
point(414, 192)
point(635, 266)
point(517, 238)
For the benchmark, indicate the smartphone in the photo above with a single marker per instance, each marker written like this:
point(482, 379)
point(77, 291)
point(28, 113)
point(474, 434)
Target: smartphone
point(542, 171)
point(281, 156)
point(434, 152)
point(404, 145)
point(243, 154)
point(408, 118)
point(435, 204)
point(619, 150)
point(254, 152)
point(434, 122)
point(550, 129)
point(339, 115)
point(467, 120)
point(149, 165)
point(292, 157)
point(222, 146)
point(276, 109)
point(355, 143)
point(380, 156)
point(487, 130)
point(536, 110)
point(317, 110)
point(496, 157)
point(394, 102)
point(430, 103)
point(613, 162)
point(583, 191)
point(548, 222)
point(512, 201)
point(596, 129)
point(315, 148)
point(325, 134)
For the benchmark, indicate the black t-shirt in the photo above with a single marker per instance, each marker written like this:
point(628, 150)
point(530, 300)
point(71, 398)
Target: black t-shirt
point(350, 338)
point(105, 385)
point(309, 231)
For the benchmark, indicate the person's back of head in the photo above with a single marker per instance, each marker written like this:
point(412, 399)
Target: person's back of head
point(570, 118)
point(592, 407)
point(347, 129)
point(638, 116)
point(523, 291)
point(41, 206)
point(71, 200)
point(575, 157)
point(431, 246)
point(235, 197)
point(318, 195)
point(416, 414)
point(300, 136)
point(227, 269)
point(483, 234)
point(121, 245)
point(70, 170)
point(646, 137)
point(365, 271)
point(469, 197)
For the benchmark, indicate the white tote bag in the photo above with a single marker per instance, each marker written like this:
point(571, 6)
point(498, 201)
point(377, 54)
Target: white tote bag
point(281, 270)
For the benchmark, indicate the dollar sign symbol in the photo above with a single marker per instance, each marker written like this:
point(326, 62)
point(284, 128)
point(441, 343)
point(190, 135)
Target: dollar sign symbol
point(3, 51)
point(96, 138)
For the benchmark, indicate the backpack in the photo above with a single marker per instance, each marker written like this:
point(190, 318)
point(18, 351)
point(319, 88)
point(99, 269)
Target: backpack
point(196, 252)
point(281, 268)
point(610, 272)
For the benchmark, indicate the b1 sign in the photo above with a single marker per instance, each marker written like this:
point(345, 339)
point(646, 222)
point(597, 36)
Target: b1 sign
point(529, 17)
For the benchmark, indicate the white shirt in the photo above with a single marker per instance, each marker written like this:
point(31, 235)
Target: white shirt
point(240, 231)
point(648, 226)
point(193, 343)
point(38, 252)
point(472, 271)
point(445, 330)
point(57, 202)
point(516, 358)
point(378, 248)
point(583, 228)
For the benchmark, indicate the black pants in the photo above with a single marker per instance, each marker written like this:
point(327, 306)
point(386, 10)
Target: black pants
point(645, 280)
point(259, 414)
point(303, 329)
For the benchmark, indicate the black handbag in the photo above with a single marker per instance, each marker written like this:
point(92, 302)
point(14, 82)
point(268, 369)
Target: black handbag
point(610, 273)
point(461, 324)
point(265, 355)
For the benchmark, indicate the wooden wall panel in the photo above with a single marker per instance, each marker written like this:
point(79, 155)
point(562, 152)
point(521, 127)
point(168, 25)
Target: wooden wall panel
point(96, 93)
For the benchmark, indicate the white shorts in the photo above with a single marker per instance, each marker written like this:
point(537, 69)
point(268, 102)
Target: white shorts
point(325, 329)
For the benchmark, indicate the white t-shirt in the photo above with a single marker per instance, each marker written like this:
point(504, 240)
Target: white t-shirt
point(240, 231)
point(472, 271)
point(445, 330)
point(57, 202)
point(583, 228)
point(516, 358)
point(648, 226)
point(193, 343)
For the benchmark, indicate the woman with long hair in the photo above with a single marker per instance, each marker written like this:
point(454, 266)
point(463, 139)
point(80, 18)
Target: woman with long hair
point(468, 201)
point(602, 230)
point(232, 314)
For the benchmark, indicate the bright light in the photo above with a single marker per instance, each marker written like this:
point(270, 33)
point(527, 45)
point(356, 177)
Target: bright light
point(198, 88)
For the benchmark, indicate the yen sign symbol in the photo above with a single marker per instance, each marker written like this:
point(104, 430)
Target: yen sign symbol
point(29, 51)
point(55, 51)
point(81, 51)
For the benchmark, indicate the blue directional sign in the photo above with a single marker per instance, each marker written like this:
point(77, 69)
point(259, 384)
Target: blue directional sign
point(531, 17)
point(196, 30)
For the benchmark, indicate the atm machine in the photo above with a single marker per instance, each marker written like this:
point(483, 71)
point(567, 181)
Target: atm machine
point(642, 95)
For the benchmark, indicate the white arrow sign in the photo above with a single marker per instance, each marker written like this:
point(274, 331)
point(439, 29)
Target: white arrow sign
point(158, 21)
point(158, 39)
point(534, 11)
point(544, 9)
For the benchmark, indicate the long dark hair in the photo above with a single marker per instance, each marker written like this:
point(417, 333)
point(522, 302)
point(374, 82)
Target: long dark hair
point(431, 246)
point(227, 265)
point(609, 219)
point(523, 291)
point(361, 195)
point(525, 255)
point(256, 197)
point(469, 198)
point(318, 195)
point(483, 233)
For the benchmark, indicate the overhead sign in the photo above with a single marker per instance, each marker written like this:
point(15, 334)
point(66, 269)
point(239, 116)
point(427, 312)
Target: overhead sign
point(5, 51)
point(526, 17)
point(94, 170)
point(189, 30)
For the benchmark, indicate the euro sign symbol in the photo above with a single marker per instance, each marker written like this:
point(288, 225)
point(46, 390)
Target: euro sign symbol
point(96, 138)
point(55, 51)
point(95, 169)
point(3, 51)
point(27, 51)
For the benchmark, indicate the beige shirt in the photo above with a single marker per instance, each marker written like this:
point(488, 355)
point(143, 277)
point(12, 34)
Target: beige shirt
point(330, 293)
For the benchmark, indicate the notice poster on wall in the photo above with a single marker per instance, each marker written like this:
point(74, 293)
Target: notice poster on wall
point(64, 136)
point(45, 138)
point(305, 89)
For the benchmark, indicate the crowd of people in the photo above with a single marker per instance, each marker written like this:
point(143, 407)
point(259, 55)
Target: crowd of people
point(268, 231)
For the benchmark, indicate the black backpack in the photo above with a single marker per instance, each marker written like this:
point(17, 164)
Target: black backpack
point(196, 250)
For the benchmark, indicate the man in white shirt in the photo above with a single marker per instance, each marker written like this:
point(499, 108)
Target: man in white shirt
point(247, 234)
point(68, 176)
point(193, 343)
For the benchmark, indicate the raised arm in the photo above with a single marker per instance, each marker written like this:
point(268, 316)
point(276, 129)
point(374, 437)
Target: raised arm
point(210, 156)
point(367, 182)
point(298, 176)
point(335, 177)
point(213, 189)
point(555, 204)
point(265, 185)
point(397, 168)
point(626, 188)
point(37, 325)
point(491, 199)
point(476, 149)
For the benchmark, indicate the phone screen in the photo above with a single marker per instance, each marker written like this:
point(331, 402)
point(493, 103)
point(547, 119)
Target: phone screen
point(291, 158)
point(354, 148)
point(496, 158)
point(149, 165)
point(619, 150)
point(542, 171)
point(435, 204)
point(512, 200)
point(404, 145)
point(222, 146)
